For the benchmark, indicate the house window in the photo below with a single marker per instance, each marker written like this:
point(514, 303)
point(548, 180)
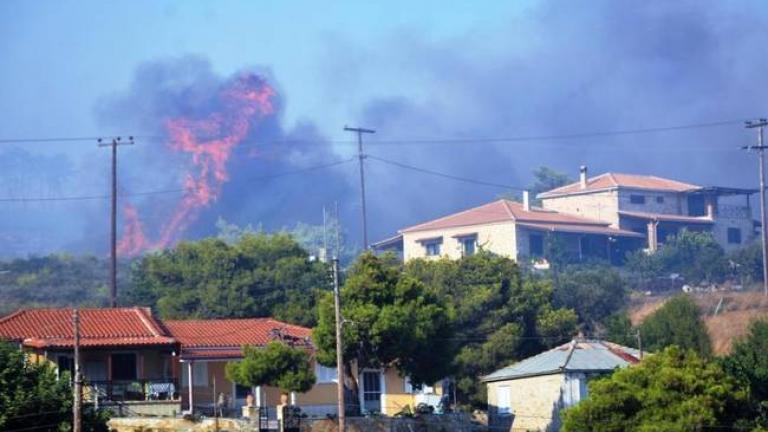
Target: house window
point(124, 366)
point(503, 400)
point(325, 374)
point(734, 236)
point(468, 245)
point(65, 364)
point(536, 245)
point(372, 391)
point(432, 248)
point(200, 374)
point(660, 199)
point(696, 205)
point(637, 199)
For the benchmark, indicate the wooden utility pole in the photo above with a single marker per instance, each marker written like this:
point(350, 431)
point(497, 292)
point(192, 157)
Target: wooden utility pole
point(760, 125)
point(77, 419)
point(361, 156)
point(339, 346)
point(113, 218)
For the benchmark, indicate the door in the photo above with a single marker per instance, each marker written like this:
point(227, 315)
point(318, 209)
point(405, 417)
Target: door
point(372, 391)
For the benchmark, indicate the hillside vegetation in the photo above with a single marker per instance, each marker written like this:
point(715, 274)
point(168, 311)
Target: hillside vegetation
point(724, 324)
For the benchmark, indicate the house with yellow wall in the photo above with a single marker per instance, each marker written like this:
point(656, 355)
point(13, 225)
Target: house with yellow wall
point(137, 364)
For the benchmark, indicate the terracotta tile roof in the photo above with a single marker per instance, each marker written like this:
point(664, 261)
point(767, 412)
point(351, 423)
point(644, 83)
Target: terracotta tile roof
point(583, 229)
point(667, 217)
point(611, 180)
point(223, 338)
point(43, 328)
point(502, 211)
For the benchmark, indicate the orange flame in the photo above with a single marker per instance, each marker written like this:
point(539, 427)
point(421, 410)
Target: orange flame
point(209, 142)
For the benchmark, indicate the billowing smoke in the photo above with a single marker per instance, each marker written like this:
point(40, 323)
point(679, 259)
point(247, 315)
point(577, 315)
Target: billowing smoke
point(212, 137)
point(552, 68)
point(568, 68)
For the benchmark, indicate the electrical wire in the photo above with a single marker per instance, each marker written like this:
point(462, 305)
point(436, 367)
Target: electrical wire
point(464, 140)
point(444, 175)
point(167, 191)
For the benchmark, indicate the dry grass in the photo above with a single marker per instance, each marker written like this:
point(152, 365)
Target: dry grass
point(736, 311)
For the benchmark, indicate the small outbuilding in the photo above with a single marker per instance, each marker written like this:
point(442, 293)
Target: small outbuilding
point(529, 395)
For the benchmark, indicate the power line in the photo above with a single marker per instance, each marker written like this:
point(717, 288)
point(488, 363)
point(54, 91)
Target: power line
point(444, 175)
point(407, 141)
point(167, 191)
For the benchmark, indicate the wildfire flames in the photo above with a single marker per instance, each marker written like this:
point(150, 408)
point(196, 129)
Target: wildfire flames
point(209, 143)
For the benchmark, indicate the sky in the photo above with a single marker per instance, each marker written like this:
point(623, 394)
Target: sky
point(421, 72)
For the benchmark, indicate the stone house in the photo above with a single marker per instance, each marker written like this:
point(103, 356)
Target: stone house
point(529, 395)
point(516, 230)
point(658, 207)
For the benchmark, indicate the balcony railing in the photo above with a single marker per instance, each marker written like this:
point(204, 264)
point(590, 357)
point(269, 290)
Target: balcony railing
point(733, 211)
point(132, 390)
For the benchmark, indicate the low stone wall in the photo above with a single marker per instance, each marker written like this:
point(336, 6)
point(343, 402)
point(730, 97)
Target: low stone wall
point(436, 423)
point(140, 424)
point(145, 409)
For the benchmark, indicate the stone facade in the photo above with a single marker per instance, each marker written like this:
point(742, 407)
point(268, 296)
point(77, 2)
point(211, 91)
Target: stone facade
point(605, 205)
point(533, 402)
point(499, 238)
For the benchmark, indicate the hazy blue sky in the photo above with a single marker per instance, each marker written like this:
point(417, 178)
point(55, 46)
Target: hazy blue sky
point(410, 69)
point(60, 57)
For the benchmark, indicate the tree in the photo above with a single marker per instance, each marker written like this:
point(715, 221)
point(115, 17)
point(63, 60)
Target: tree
point(500, 317)
point(57, 280)
point(674, 390)
point(393, 321)
point(259, 275)
point(547, 179)
point(748, 362)
point(33, 398)
point(617, 328)
point(593, 292)
point(694, 255)
point(677, 322)
point(275, 365)
point(747, 263)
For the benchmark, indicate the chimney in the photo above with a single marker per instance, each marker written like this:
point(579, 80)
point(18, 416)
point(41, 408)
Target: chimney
point(526, 201)
point(583, 176)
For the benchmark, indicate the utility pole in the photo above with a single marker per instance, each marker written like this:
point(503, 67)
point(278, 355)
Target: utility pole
point(639, 343)
point(113, 217)
point(339, 322)
point(78, 381)
point(339, 346)
point(361, 156)
point(760, 125)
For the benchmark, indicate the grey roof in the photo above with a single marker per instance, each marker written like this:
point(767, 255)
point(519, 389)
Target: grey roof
point(575, 356)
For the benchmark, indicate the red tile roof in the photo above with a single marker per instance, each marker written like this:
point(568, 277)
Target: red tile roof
point(581, 229)
point(43, 328)
point(667, 217)
point(610, 180)
point(223, 338)
point(503, 211)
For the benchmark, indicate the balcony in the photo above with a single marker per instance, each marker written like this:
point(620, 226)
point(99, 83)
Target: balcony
point(131, 390)
point(727, 211)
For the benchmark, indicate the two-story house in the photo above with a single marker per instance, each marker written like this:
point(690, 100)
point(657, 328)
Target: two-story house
point(513, 229)
point(657, 207)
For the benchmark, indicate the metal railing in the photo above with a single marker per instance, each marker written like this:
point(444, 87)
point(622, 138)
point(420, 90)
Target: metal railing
point(132, 390)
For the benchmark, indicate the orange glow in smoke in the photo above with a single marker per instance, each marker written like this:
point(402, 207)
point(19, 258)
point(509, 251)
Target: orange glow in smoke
point(209, 143)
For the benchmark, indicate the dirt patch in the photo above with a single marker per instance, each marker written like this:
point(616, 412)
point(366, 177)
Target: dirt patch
point(727, 315)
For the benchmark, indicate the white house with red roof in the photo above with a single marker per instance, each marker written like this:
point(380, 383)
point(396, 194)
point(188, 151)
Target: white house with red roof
point(657, 207)
point(516, 230)
point(600, 217)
